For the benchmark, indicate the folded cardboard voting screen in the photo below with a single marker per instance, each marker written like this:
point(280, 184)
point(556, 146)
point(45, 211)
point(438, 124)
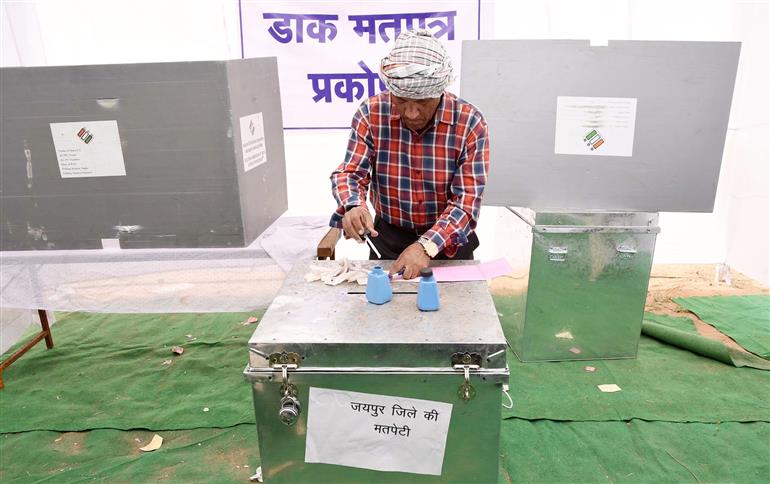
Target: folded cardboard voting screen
point(182, 154)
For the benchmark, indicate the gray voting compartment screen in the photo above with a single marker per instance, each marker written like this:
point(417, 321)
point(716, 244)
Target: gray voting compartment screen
point(660, 151)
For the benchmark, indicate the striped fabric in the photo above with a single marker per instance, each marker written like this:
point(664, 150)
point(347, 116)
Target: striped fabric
point(418, 67)
point(431, 183)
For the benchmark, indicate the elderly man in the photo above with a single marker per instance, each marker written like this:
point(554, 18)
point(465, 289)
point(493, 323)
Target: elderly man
point(423, 154)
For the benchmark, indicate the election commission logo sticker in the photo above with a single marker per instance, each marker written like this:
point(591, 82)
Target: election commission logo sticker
point(85, 135)
point(593, 140)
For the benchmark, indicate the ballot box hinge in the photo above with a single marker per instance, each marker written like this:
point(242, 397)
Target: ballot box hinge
point(466, 362)
point(290, 406)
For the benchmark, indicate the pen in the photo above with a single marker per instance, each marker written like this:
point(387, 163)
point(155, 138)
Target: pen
point(371, 244)
point(399, 273)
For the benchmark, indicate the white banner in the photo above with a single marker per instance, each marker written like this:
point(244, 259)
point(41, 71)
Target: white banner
point(377, 432)
point(329, 52)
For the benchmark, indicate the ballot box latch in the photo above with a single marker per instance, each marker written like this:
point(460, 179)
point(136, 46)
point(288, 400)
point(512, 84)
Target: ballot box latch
point(290, 406)
point(466, 362)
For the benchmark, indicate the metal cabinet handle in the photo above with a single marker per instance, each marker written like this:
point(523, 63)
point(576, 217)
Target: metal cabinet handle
point(505, 392)
point(557, 254)
point(625, 251)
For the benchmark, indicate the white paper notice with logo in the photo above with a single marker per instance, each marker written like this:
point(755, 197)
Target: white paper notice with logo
point(595, 126)
point(253, 141)
point(377, 432)
point(88, 149)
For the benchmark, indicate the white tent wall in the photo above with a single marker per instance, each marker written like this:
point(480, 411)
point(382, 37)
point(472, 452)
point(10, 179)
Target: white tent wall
point(747, 160)
point(73, 32)
point(8, 45)
point(22, 41)
point(56, 32)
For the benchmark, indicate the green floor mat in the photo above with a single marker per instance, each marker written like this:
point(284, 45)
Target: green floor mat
point(198, 455)
point(118, 371)
point(662, 383)
point(746, 319)
point(681, 332)
point(681, 323)
point(636, 451)
point(538, 451)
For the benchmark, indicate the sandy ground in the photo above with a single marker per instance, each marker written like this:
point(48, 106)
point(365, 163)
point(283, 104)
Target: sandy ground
point(670, 281)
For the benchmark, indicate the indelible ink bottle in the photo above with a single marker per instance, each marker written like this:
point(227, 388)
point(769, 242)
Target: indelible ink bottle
point(427, 291)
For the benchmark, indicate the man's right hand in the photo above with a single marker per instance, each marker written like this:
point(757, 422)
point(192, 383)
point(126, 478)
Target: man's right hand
point(356, 222)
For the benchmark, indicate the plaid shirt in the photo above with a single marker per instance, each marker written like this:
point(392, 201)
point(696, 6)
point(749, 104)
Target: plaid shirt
point(431, 183)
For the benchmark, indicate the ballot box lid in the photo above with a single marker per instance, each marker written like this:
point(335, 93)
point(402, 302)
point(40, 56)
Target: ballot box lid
point(335, 326)
point(627, 126)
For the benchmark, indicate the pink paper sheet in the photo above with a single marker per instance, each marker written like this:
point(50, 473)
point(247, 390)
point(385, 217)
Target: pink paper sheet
point(477, 272)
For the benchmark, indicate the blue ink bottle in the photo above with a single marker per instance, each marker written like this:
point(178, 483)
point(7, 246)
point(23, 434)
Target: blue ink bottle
point(378, 290)
point(427, 291)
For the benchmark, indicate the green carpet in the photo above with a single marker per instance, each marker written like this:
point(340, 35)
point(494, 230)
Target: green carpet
point(681, 332)
point(681, 323)
point(679, 416)
point(118, 371)
point(663, 383)
point(120, 358)
point(531, 451)
point(199, 455)
point(635, 451)
point(746, 319)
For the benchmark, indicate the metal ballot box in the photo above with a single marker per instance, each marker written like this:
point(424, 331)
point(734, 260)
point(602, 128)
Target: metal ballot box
point(348, 391)
point(585, 285)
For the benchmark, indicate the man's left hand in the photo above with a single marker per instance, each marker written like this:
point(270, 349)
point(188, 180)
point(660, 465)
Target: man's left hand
point(411, 260)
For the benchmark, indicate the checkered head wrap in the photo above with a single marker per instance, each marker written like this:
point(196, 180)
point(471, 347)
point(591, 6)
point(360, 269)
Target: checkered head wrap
point(418, 67)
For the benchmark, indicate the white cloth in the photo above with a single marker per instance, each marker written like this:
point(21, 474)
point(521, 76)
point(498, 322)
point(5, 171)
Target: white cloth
point(292, 239)
point(335, 274)
point(159, 280)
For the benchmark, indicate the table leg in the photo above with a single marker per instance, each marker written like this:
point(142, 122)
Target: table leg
point(45, 334)
point(46, 328)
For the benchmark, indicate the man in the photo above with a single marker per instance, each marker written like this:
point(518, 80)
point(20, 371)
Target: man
point(425, 155)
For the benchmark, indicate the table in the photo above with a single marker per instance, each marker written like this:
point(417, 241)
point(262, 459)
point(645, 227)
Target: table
point(155, 280)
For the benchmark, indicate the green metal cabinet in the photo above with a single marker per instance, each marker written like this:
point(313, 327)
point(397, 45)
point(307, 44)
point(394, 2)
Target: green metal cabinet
point(586, 285)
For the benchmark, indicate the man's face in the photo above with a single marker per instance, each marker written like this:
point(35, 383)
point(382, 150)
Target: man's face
point(415, 113)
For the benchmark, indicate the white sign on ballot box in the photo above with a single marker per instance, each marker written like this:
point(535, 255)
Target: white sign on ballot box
point(253, 141)
point(378, 432)
point(329, 52)
point(87, 149)
point(597, 126)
